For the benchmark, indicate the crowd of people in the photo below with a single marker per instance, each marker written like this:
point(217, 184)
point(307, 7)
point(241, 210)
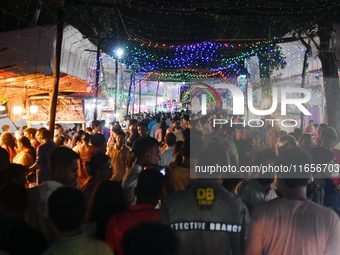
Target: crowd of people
point(134, 190)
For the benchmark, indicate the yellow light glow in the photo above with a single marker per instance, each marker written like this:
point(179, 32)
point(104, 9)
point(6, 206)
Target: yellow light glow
point(33, 109)
point(17, 109)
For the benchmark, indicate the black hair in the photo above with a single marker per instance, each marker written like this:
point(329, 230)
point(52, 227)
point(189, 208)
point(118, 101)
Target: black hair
point(31, 131)
point(144, 145)
point(96, 123)
point(163, 127)
point(133, 122)
point(60, 140)
point(86, 137)
point(8, 139)
point(149, 186)
point(78, 136)
point(321, 155)
point(13, 198)
point(143, 124)
point(329, 135)
point(97, 161)
point(62, 157)
point(4, 158)
point(170, 139)
point(322, 126)
point(297, 133)
point(67, 208)
point(12, 171)
point(284, 142)
point(25, 141)
point(178, 152)
point(282, 133)
point(120, 133)
point(294, 157)
point(107, 199)
point(45, 134)
point(305, 136)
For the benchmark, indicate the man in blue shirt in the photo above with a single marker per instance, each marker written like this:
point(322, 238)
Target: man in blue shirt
point(43, 153)
point(151, 124)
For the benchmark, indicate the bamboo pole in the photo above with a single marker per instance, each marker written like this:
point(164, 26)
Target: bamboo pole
point(95, 114)
point(57, 60)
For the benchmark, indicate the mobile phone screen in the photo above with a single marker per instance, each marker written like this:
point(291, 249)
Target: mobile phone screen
point(163, 171)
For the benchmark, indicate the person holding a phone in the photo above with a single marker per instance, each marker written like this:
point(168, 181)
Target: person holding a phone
point(146, 152)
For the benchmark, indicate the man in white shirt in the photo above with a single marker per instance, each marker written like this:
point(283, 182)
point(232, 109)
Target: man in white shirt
point(178, 131)
point(146, 151)
point(167, 156)
point(64, 164)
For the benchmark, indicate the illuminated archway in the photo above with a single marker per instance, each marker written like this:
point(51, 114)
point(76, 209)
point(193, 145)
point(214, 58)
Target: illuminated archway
point(211, 92)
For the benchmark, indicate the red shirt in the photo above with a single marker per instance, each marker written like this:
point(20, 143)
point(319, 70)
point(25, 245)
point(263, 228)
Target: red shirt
point(120, 223)
point(309, 129)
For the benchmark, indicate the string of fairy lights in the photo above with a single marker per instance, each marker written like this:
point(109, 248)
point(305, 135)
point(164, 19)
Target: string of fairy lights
point(183, 62)
point(189, 75)
point(206, 55)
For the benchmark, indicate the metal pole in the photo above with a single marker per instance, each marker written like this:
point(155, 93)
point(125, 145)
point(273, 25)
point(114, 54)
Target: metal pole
point(56, 68)
point(117, 92)
point(156, 97)
point(304, 69)
point(248, 82)
point(140, 96)
point(134, 98)
point(129, 95)
point(95, 114)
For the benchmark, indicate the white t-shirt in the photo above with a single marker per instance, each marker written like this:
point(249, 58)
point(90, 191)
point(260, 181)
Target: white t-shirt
point(167, 156)
point(293, 227)
point(179, 135)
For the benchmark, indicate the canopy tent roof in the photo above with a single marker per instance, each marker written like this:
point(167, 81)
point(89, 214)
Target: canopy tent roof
point(26, 62)
point(33, 84)
point(166, 36)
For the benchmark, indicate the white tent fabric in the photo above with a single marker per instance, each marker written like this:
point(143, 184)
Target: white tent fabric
point(78, 56)
point(32, 50)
